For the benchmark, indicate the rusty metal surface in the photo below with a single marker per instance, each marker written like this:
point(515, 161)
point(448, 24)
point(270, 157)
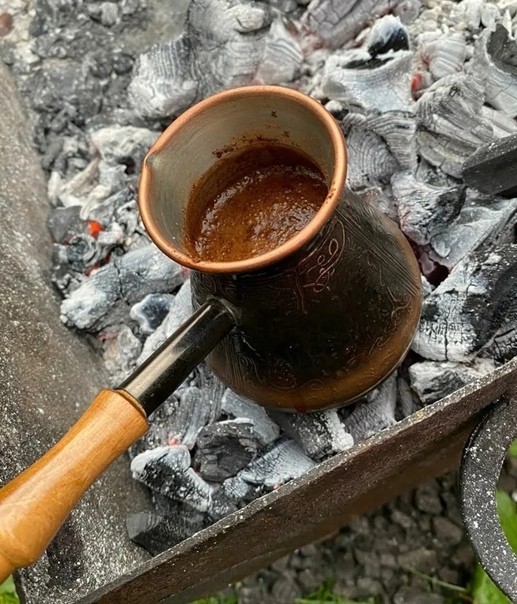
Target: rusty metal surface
point(423, 445)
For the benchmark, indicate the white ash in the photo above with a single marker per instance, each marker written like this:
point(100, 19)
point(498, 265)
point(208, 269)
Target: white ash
point(413, 91)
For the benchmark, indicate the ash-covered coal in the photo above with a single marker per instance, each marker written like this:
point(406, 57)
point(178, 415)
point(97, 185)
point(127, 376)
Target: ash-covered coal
point(417, 86)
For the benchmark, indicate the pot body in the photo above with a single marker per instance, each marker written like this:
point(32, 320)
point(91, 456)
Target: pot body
point(325, 325)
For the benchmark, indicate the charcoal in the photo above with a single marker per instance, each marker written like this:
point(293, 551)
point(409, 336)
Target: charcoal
point(319, 434)
point(490, 169)
point(221, 505)
point(407, 402)
point(117, 285)
point(424, 209)
point(282, 57)
point(64, 223)
point(371, 161)
point(166, 470)
point(450, 122)
point(443, 54)
point(502, 124)
point(503, 346)
point(88, 306)
point(179, 312)
point(387, 33)
point(465, 311)
point(336, 23)
point(223, 448)
point(236, 406)
point(494, 67)
point(151, 311)
point(380, 84)
point(482, 223)
point(380, 198)
point(434, 380)
point(111, 208)
point(195, 409)
point(236, 490)
point(163, 83)
point(121, 350)
point(147, 270)
point(373, 415)
point(157, 532)
point(284, 461)
point(158, 433)
point(398, 129)
point(224, 44)
point(118, 144)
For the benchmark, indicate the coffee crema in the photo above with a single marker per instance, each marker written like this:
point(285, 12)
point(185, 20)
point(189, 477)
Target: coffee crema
point(251, 203)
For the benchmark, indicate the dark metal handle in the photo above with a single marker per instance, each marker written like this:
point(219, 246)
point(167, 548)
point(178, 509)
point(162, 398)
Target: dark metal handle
point(481, 466)
point(157, 378)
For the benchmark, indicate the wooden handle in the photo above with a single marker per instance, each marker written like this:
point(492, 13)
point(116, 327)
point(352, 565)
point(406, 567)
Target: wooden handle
point(35, 504)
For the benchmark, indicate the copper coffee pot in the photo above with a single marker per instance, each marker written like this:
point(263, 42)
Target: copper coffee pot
point(317, 322)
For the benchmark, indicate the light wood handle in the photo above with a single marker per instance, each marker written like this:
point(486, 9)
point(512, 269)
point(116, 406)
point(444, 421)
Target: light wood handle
point(35, 504)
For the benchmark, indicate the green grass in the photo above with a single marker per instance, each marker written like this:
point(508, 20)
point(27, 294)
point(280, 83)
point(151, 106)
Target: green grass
point(325, 595)
point(8, 592)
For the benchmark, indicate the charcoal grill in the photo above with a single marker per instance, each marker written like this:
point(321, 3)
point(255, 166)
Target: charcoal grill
point(424, 445)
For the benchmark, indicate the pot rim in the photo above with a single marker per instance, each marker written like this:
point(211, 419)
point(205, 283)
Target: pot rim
point(299, 240)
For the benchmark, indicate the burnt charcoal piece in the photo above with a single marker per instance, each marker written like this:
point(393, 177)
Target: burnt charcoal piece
point(89, 304)
point(64, 223)
point(166, 470)
point(443, 54)
point(407, 401)
point(221, 505)
point(121, 350)
point(465, 311)
point(236, 406)
point(398, 129)
point(432, 381)
point(103, 298)
point(179, 312)
point(495, 67)
point(146, 271)
point(335, 22)
point(450, 122)
point(195, 409)
point(224, 448)
point(357, 80)
point(424, 209)
point(371, 161)
point(319, 434)
point(387, 34)
point(284, 461)
point(378, 412)
point(483, 223)
point(123, 144)
point(157, 532)
point(151, 311)
point(491, 168)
